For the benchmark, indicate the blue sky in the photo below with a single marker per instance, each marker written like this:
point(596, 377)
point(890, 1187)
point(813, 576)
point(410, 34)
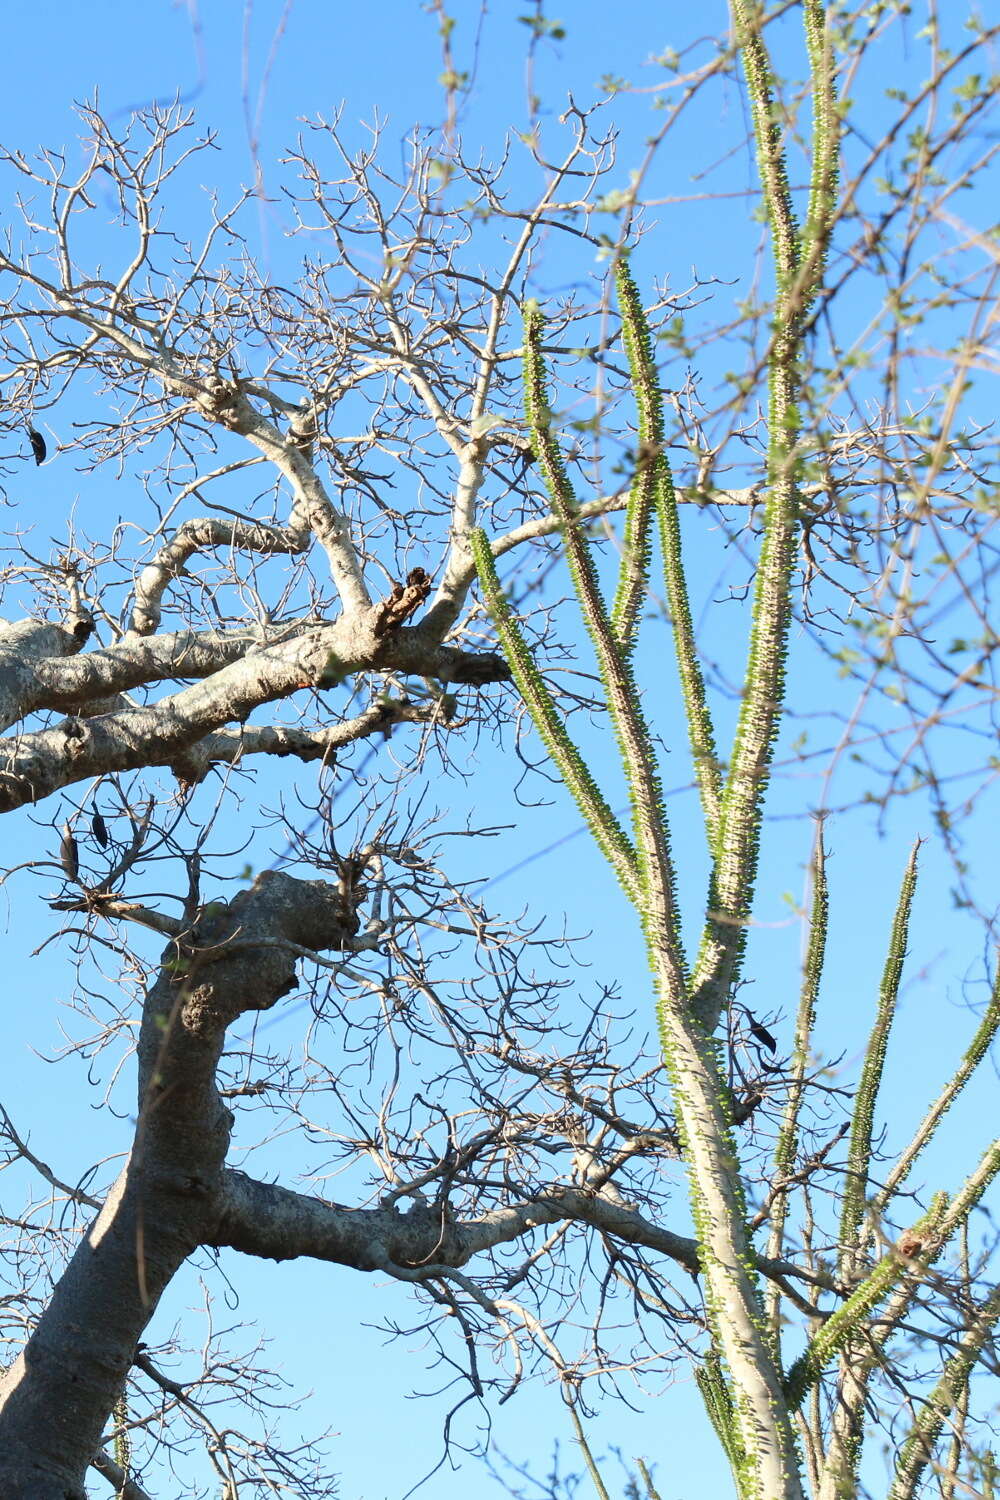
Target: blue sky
point(251, 73)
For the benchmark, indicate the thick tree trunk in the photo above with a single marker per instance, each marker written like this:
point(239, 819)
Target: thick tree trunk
point(56, 1397)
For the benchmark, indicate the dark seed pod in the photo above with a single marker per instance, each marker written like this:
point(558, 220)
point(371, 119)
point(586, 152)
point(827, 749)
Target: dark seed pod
point(762, 1035)
point(100, 829)
point(69, 856)
point(38, 447)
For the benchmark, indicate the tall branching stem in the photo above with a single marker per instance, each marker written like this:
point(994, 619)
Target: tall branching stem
point(798, 258)
point(653, 490)
point(742, 1383)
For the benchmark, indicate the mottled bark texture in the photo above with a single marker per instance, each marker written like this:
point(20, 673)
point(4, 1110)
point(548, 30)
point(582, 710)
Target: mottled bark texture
point(235, 674)
point(55, 1399)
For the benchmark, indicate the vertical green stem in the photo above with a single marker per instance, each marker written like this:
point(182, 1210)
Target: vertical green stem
point(788, 1135)
point(798, 264)
point(863, 1118)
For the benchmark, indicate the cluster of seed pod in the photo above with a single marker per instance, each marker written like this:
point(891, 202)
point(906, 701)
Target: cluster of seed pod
point(69, 850)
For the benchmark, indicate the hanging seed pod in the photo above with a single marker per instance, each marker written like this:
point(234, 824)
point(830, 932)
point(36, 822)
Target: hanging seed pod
point(69, 856)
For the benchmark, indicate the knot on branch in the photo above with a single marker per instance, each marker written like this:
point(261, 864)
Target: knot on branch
point(302, 434)
point(82, 628)
point(15, 790)
point(189, 770)
point(352, 891)
point(221, 401)
point(306, 912)
point(403, 602)
point(77, 734)
point(475, 670)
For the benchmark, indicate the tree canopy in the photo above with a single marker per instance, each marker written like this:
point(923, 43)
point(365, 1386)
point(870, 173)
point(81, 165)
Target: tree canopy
point(462, 503)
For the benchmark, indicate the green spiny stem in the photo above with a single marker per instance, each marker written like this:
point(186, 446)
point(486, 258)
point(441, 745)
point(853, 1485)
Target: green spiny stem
point(748, 16)
point(633, 573)
point(699, 1086)
point(852, 1211)
point(843, 1454)
point(588, 1455)
point(701, 734)
point(734, 876)
point(719, 1406)
point(651, 1492)
point(700, 1094)
point(654, 484)
point(842, 1325)
point(699, 1089)
point(608, 833)
point(122, 1441)
point(957, 1421)
point(970, 1194)
point(918, 1447)
point(736, 1316)
point(825, 148)
point(735, 1311)
point(978, 1049)
point(658, 908)
point(788, 1135)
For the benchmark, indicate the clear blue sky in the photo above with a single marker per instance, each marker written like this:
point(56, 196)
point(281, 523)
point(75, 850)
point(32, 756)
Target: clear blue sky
point(250, 72)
